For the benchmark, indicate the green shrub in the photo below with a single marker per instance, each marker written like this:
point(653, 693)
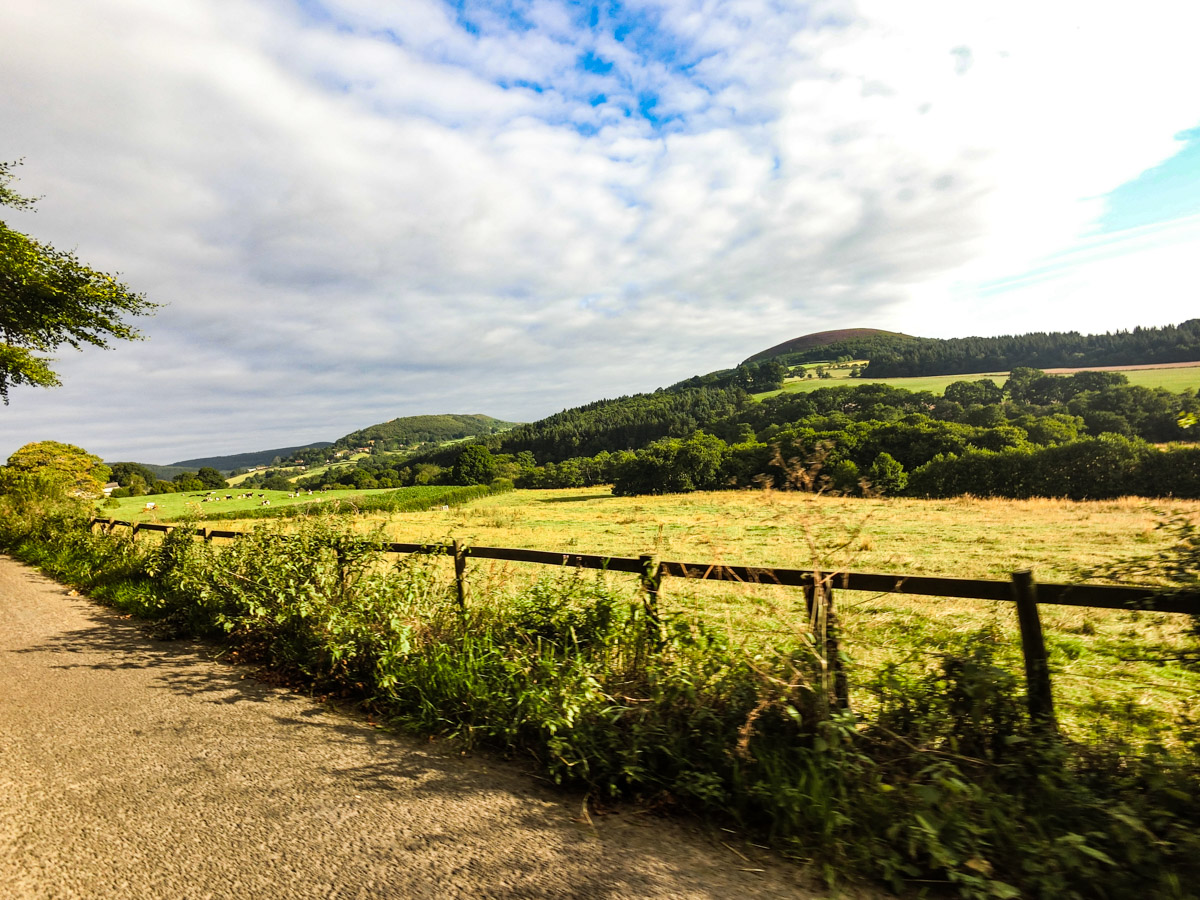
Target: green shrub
point(943, 780)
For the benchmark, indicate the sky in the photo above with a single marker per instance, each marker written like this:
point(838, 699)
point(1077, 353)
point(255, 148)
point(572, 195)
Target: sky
point(352, 210)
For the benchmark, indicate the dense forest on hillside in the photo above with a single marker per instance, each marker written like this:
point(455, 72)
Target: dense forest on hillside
point(409, 431)
point(1087, 436)
point(245, 460)
point(867, 344)
point(1043, 350)
point(617, 424)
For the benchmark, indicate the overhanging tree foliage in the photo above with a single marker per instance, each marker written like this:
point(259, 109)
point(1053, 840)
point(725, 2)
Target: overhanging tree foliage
point(49, 298)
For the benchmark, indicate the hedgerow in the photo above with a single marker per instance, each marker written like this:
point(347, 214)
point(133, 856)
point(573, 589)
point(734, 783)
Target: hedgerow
point(943, 781)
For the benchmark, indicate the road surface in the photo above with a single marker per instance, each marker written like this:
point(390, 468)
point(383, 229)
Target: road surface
point(133, 768)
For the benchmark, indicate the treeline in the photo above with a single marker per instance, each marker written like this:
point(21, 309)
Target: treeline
point(1089, 435)
point(1043, 350)
point(609, 425)
point(868, 346)
point(409, 431)
point(751, 377)
point(853, 439)
point(136, 480)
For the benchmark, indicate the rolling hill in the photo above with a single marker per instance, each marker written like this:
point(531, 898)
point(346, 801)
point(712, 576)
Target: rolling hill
point(857, 343)
point(409, 432)
point(243, 460)
point(827, 342)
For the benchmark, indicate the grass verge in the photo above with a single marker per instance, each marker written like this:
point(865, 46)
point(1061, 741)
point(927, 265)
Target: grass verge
point(939, 781)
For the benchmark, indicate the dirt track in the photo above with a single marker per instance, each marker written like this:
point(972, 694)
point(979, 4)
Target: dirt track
point(131, 768)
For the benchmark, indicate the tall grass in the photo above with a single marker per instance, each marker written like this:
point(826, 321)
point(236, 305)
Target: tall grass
point(942, 782)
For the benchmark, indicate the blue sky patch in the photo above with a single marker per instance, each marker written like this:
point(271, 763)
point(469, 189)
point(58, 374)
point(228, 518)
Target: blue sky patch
point(1167, 191)
point(590, 62)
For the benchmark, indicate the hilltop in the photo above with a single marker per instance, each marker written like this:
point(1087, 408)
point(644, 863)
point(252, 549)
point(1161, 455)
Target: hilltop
point(409, 432)
point(859, 343)
point(896, 355)
point(244, 460)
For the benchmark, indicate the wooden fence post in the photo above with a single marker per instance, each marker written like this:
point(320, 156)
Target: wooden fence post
point(833, 652)
point(822, 617)
point(460, 573)
point(1037, 663)
point(340, 560)
point(134, 530)
point(652, 574)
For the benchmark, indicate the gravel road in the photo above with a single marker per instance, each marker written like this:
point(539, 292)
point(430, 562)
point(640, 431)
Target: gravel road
point(132, 768)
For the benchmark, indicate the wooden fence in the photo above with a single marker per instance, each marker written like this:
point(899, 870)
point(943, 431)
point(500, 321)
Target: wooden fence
point(818, 587)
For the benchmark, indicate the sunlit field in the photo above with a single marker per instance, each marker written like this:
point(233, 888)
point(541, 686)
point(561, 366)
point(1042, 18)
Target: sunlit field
point(169, 507)
point(1182, 378)
point(1104, 661)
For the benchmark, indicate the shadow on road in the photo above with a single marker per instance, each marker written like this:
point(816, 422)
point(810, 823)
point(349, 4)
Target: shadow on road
point(501, 799)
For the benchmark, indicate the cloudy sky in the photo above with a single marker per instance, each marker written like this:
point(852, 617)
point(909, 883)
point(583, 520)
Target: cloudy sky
point(359, 209)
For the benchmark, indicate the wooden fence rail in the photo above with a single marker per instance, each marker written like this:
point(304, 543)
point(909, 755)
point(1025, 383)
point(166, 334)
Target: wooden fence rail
point(1021, 589)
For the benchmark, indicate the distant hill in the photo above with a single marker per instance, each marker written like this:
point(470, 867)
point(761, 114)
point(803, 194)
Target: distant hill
point(896, 355)
point(409, 432)
point(860, 343)
point(1038, 350)
point(241, 460)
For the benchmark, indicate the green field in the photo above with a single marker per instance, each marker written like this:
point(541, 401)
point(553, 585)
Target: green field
point(1105, 662)
point(1183, 378)
point(169, 507)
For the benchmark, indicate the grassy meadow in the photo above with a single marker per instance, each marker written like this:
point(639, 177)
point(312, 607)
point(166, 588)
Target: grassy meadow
point(1182, 378)
point(1112, 669)
point(169, 507)
point(722, 705)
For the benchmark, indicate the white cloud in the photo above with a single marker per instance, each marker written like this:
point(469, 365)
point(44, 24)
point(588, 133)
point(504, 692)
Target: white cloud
point(392, 214)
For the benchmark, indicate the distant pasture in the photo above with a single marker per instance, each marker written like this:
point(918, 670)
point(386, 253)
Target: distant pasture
point(1173, 377)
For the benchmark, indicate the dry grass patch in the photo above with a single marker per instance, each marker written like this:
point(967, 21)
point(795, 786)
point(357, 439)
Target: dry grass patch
point(1111, 668)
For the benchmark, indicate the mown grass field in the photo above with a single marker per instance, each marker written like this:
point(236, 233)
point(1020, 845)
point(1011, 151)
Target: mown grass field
point(193, 503)
point(1112, 669)
point(1183, 378)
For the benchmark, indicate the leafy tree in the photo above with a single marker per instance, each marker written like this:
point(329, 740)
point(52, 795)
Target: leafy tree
point(474, 465)
point(967, 393)
point(887, 476)
point(123, 473)
point(844, 476)
point(186, 481)
point(49, 298)
point(79, 473)
point(673, 466)
point(211, 478)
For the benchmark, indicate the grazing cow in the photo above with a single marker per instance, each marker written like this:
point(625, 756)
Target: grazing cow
point(150, 506)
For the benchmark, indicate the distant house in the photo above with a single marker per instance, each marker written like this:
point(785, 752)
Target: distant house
point(109, 488)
